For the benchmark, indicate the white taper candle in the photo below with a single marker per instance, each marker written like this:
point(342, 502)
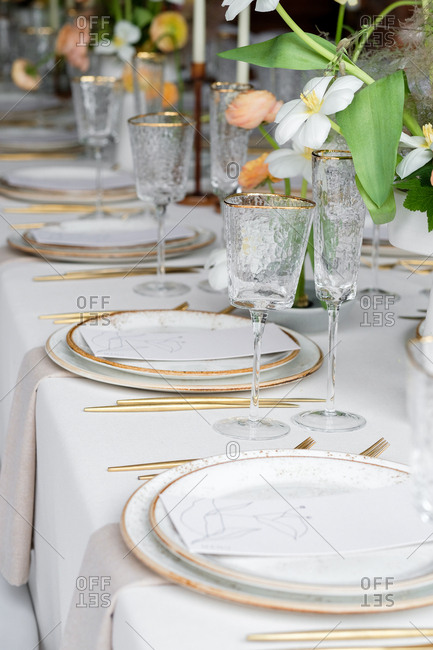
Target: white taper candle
point(199, 32)
point(243, 69)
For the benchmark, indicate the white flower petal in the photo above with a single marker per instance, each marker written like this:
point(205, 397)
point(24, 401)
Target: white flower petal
point(349, 81)
point(235, 7)
point(294, 106)
point(337, 101)
point(315, 131)
point(289, 126)
point(413, 161)
point(218, 277)
point(126, 52)
point(266, 5)
point(307, 171)
point(287, 164)
point(319, 85)
point(217, 256)
point(412, 141)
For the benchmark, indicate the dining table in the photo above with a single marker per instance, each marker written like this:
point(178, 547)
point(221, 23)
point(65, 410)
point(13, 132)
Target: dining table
point(80, 596)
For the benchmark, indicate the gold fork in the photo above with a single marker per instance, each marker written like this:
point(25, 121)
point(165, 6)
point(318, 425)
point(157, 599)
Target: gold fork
point(376, 449)
point(305, 444)
point(77, 316)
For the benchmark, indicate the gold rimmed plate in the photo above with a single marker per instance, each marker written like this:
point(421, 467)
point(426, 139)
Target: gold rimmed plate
point(311, 584)
point(308, 360)
point(175, 321)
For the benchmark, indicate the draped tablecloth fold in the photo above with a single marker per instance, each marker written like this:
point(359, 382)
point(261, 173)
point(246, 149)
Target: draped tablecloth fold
point(18, 468)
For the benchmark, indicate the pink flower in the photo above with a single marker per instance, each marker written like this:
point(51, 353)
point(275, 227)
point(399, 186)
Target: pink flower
point(72, 42)
point(251, 108)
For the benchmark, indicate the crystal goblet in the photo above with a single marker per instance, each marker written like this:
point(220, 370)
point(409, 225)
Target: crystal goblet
point(266, 235)
point(161, 148)
point(338, 229)
point(98, 107)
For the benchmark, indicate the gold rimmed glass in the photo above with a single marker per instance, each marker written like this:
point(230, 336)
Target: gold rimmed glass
point(266, 237)
point(98, 107)
point(338, 230)
point(161, 148)
point(148, 76)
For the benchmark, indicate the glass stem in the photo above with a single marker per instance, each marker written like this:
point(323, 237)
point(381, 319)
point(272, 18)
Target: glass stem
point(333, 313)
point(258, 319)
point(375, 257)
point(98, 158)
point(161, 244)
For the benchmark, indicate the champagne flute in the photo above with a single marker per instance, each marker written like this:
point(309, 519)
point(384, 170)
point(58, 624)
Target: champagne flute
point(98, 107)
point(338, 229)
point(267, 236)
point(161, 148)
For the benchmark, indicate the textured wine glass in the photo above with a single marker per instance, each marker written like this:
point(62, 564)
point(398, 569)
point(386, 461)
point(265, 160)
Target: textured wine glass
point(267, 236)
point(420, 410)
point(161, 148)
point(228, 144)
point(98, 108)
point(148, 79)
point(338, 230)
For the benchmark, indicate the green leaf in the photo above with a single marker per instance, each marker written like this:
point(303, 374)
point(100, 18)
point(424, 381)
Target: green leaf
point(372, 126)
point(421, 199)
point(382, 214)
point(286, 51)
point(141, 16)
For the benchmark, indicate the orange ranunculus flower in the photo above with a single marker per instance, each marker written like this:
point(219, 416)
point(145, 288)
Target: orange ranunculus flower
point(72, 42)
point(169, 31)
point(255, 172)
point(170, 95)
point(24, 75)
point(251, 108)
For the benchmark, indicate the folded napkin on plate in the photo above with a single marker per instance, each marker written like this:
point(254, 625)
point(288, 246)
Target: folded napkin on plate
point(67, 179)
point(89, 628)
point(105, 232)
point(18, 468)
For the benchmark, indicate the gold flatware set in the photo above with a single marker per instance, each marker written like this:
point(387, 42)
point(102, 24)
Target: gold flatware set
point(114, 272)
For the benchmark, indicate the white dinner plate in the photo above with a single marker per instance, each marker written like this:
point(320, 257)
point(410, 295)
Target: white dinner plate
point(21, 105)
point(308, 360)
point(322, 585)
point(120, 254)
point(67, 184)
point(314, 574)
point(175, 321)
point(36, 139)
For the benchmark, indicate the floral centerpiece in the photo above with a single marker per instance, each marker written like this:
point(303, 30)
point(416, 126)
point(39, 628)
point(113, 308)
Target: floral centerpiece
point(372, 116)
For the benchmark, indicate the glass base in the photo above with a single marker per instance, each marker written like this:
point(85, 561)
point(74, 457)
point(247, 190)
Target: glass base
point(162, 289)
point(242, 428)
point(205, 286)
point(379, 292)
point(329, 421)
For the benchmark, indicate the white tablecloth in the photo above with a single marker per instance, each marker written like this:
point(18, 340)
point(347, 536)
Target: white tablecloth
point(75, 495)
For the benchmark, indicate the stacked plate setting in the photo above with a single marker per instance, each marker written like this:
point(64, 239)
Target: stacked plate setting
point(322, 584)
point(67, 348)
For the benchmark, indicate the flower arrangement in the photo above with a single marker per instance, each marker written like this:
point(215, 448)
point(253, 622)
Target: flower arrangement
point(372, 116)
point(151, 26)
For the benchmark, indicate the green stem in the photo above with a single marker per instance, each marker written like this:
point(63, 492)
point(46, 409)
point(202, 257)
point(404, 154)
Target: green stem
point(300, 290)
point(269, 184)
point(335, 126)
point(304, 188)
point(408, 120)
point(379, 18)
point(115, 10)
point(179, 78)
point(128, 10)
point(268, 137)
point(287, 186)
point(316, 47)
point(340, 21)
